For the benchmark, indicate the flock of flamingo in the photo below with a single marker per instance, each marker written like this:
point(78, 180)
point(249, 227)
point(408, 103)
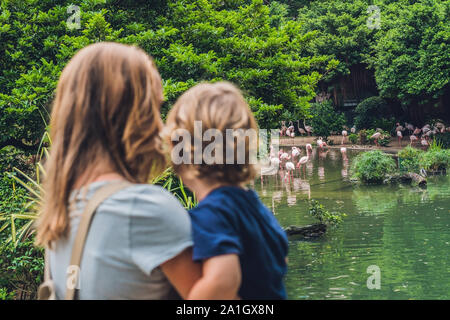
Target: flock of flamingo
point(415, 133)
point(290, 161)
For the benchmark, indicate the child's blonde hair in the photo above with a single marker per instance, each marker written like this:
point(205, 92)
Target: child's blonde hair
point(218, 106)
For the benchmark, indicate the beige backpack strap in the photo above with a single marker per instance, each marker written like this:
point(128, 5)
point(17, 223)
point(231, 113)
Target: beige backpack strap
point(47, 276)
point(77, 250)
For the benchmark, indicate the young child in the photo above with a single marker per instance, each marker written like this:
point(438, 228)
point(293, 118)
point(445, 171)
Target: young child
point(242, 247)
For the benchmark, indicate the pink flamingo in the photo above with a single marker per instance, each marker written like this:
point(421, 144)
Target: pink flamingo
point(412, 138)
point(344, 135)
point(290, 168)
point(305, 159)
point(376, 136)
point(308, 129)
point(400, 136)
point(321, 143)
point(295, 152)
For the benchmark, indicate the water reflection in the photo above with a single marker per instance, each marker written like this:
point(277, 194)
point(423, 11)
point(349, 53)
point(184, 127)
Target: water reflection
point(402, 229)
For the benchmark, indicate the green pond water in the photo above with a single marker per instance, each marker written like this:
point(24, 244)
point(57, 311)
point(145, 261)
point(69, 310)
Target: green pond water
point(403, 230)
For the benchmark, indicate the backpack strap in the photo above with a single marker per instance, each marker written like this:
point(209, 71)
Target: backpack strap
point(83, 228)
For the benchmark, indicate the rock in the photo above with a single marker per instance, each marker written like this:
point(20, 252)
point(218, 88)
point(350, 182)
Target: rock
point(307, 232)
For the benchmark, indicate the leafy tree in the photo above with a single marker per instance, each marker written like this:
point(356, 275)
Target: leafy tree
point(369, 111)
point(325, 119)
point(412, 52)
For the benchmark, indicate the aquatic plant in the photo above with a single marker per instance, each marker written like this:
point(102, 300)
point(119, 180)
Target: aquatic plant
point(435, 160)
point(373, 166)
point(324, 216)
point(409, 159)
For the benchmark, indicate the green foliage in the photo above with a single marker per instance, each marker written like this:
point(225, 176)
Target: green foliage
point(318, 211)
point(412, 51)
point(436, 158)
point(372, 166)
point(368, 112)
point(248, 43)
point(340, 31)
point(171, 182)
point(21, 269)
point(6, 295)
point(353, 137)
point(409, 159)
point(325, 119)
point(443, 139)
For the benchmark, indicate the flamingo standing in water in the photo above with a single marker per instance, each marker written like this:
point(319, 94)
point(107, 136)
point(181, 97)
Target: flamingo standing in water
point(289, 169)
point(305, 159)
point(344, 135)
point(295, 152)
point(321, 143)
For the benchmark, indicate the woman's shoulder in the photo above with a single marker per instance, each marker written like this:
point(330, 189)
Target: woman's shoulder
point(145, 199)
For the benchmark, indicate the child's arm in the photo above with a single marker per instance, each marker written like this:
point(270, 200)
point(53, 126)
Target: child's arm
point(182, 272)
point(221, 279)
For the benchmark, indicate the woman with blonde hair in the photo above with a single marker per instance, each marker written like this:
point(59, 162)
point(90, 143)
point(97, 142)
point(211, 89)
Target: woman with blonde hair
point(105, 127)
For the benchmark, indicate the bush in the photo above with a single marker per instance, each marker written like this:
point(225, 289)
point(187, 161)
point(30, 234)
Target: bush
point(368, 112)
point(373, 166)
point(435, 160)
point(443, 139)
point(409, 159)
point(324, 216)
point(353, 137)
point(325, 119)
point(22, 269)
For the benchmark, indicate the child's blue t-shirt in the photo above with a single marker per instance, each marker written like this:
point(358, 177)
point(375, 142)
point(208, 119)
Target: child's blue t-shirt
point(234, 220)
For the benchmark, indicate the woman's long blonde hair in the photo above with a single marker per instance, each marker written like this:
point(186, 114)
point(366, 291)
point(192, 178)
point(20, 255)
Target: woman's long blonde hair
point(106, 109)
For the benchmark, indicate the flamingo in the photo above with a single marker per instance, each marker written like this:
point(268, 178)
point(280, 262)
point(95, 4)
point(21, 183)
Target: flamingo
point(295, 152)
point(344, 135)
point(400, 136)
point(410, 127)
point(321, 143)
point(308, 129)
point(305, 159)
point(412, 138)
point(424, 142)
point(284, 156)
point(353, 129)
point(292, 134)
point(440, 126)
point(290, 167)
point(288, 132)
point(376, 136)
point(417, 131)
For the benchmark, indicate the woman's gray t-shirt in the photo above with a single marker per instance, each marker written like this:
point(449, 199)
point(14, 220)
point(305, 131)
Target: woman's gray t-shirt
point(132, 233)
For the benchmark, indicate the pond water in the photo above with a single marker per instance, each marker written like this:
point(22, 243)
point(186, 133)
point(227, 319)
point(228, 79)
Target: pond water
point(403, 230)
